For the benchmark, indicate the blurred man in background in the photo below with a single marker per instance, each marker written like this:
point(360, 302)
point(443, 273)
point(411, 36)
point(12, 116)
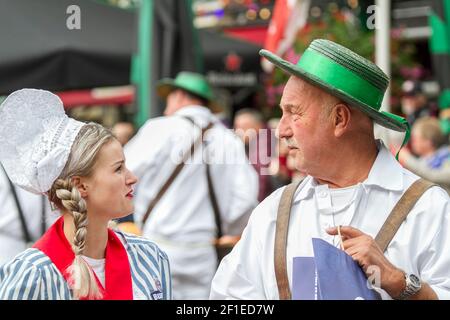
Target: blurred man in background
point(123, 131)
point(185, 208)
point(250, 126)
point(414, 101)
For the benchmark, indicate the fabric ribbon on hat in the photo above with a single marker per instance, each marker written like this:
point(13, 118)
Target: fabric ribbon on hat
point(407, 131)
point(118, 284)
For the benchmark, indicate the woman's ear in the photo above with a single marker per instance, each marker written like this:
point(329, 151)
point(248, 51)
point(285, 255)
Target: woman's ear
point(81, 185)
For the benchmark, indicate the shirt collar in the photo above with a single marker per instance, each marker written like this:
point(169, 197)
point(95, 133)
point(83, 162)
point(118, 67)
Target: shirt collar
point(386, 173)
point(194, 110)
point(306, 189)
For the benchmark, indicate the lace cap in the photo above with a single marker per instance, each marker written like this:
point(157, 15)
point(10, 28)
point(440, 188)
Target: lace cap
point(35, 138)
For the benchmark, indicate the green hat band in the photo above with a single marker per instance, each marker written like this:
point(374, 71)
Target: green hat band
point(342, 79)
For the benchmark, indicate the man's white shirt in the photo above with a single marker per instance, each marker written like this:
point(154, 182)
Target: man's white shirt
point(12, 240)
point(150, 156)
point(421, 245)
point(182, 223)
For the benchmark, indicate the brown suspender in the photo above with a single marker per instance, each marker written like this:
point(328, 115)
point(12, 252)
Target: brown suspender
point(175, 172)
point(212, 193)
point(383, 238)
point(221, 251)
point(400, 211)
point(281, 233)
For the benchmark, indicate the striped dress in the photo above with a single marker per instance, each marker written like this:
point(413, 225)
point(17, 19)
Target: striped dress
point(32, 276)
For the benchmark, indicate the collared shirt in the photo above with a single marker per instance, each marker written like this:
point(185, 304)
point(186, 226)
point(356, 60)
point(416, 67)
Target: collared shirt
point(183, 223)
point(33, 276)
point(421, 246)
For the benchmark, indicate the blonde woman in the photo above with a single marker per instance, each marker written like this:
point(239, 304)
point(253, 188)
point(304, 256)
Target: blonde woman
point(81, 168)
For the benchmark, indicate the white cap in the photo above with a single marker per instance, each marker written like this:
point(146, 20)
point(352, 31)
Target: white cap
point(36, 137)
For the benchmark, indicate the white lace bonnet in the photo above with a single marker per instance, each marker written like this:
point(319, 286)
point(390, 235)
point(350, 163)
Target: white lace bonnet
point(35, 138)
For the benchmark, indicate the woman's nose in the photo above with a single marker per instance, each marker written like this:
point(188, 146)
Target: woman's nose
point(131, 178)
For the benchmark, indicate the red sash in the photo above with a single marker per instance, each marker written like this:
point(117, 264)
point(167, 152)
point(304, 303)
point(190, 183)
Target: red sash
point(117, 267)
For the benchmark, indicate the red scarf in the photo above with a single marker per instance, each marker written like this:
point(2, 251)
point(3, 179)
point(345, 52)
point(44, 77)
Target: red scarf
point(117, 267)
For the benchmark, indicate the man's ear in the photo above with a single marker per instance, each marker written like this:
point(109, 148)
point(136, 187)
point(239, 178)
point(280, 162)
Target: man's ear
point(81, 185)
point(341, 119)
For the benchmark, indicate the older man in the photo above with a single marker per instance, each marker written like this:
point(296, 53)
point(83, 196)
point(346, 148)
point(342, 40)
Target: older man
point(329, 105)
point(174, 203)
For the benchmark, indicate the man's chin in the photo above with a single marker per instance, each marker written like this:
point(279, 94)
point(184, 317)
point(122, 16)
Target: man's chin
point(299, 164)
point(293, 151)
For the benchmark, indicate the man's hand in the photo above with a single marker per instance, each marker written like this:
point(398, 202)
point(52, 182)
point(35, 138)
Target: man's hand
point(364, 250)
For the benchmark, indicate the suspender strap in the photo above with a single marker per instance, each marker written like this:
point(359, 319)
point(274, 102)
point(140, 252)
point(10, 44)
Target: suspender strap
point(383, 238)
point(281, 234)
point(212, 194)
point(23, 223)
point(175, 173)
point(214, 203)
point(400, 212)
point(43, 217)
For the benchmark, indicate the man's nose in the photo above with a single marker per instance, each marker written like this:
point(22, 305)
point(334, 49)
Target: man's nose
point(284, 129)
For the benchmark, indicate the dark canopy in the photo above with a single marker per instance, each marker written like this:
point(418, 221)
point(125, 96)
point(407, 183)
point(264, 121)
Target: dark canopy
point(39, 51)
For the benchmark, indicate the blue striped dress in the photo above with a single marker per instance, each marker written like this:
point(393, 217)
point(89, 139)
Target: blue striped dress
point(32, 276)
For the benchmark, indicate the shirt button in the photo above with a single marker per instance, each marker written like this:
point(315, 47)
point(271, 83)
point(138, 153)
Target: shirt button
point(322, 194)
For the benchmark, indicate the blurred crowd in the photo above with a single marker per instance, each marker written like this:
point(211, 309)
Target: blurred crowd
point(428, 153)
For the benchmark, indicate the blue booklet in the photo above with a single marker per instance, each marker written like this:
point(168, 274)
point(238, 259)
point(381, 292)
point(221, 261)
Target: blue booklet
point(305, 283)
point(330, 275)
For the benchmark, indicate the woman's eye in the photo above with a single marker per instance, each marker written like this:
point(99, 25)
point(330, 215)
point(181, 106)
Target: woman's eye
point(119, 169)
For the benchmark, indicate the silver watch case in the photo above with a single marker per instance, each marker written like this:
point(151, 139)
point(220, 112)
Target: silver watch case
point(413, 285)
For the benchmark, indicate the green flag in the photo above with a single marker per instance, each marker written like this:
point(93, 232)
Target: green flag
point(167, 44)
point(440, 49)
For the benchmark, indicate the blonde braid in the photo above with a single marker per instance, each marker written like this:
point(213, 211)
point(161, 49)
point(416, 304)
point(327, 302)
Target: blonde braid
point(82, 277)
point(81, 161)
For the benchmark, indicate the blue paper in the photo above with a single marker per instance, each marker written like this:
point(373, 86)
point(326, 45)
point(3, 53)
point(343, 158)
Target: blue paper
point(340, 277)
point(305, 284)
point(330, 275)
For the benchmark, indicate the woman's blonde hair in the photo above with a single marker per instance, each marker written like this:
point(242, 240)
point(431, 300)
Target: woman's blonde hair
point(91, 138)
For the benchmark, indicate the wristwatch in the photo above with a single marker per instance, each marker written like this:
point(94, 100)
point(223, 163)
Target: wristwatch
point(413, 285)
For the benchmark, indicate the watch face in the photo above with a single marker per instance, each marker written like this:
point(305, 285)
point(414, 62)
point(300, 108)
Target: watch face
point(415, 281)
